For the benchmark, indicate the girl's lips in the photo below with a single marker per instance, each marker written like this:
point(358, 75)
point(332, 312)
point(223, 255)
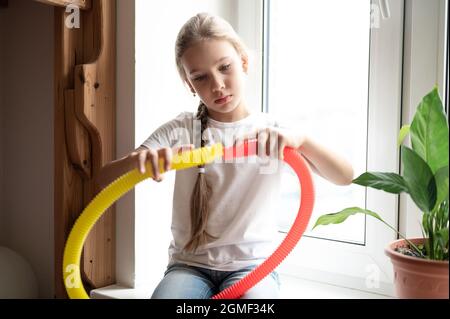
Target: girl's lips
point(223, 100)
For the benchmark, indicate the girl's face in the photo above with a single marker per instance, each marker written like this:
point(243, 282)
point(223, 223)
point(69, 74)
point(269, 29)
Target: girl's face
point(215, 71)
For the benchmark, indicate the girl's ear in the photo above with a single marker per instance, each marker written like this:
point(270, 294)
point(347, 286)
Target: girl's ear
point(244, 63)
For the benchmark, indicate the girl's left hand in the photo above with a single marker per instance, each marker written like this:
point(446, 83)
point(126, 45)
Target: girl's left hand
point(273, 140)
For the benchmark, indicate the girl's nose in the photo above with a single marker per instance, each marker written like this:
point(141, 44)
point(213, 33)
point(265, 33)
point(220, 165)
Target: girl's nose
point(217, 84)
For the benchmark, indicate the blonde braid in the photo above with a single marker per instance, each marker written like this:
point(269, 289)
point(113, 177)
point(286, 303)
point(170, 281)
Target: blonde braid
point(200, 196)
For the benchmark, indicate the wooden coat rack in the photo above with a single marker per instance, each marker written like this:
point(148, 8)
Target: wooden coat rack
point(84, 131)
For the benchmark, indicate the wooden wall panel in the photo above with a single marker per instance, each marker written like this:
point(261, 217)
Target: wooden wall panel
point(82, 4)
point(84, 135)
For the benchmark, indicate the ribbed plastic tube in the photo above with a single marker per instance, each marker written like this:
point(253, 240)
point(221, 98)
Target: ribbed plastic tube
point(300, 167)
point(205, 155)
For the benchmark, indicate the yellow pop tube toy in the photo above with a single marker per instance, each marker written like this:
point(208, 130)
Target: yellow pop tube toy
point(104, 199)
point(205, 155)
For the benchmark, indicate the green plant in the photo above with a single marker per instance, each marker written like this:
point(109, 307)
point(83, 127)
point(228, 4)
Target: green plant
point(424, 178)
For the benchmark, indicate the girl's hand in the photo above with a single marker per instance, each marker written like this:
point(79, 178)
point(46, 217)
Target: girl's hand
point(152, 156)
point(272, 141)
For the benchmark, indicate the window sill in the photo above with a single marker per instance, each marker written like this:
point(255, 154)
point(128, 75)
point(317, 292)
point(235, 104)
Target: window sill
point(291, 288)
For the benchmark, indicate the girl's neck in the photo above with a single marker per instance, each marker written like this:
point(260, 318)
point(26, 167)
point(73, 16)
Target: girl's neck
point(240, 112)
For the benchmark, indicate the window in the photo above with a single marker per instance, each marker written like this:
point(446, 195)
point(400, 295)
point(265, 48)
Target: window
point(333, 69)
point(368, 82)
point(318, 81)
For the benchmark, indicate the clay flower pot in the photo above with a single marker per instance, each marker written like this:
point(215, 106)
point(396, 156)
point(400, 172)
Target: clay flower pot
point(417, 277)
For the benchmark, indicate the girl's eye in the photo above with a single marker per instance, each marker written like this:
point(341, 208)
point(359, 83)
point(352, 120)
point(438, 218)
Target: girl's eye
point(225, 67)
point(200, 78)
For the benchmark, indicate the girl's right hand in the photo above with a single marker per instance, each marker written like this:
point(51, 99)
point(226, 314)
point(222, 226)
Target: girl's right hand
point(142, 155)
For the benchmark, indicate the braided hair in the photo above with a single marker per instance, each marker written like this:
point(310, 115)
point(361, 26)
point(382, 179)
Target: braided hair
point(200, 195)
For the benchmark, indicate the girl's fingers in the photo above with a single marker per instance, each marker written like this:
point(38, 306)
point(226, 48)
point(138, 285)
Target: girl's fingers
point(263, 143)
point(267, 140)
point(282, 144)
point(142, 156)
point(270, 142)
point(166, 154)
point(275, 141)
point(248, 136)
point(152, 157)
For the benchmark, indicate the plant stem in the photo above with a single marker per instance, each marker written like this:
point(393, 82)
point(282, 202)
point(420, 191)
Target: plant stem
point(408, 241)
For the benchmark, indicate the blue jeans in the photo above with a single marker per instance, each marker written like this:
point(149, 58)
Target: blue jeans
point(189, 282)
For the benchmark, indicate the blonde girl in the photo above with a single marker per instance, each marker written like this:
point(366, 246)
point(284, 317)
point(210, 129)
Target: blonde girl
point(223, 218)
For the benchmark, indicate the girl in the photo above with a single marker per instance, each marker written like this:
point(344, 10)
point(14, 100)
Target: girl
point(223, 216)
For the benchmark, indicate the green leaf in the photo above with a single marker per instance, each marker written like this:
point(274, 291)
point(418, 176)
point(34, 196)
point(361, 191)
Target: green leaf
point(444, 210)
point(419, 179)
point(442, 237)
point(441, 178)
point(337, 218)
point(403, 132)
point(389, 182)
point(429, 131)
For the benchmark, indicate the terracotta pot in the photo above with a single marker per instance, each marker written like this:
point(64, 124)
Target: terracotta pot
point(417, 277)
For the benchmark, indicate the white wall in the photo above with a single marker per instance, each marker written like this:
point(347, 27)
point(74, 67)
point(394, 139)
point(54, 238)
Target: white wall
point(125, 117)
point(26, 109)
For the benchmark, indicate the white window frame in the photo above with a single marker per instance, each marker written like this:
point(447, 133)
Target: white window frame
point(352, 274)
point(366, 267)
point(424, 66)
point(354, 265)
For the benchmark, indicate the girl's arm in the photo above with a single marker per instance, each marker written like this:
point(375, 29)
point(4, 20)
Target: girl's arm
point(117, 168)
point(138, 159)
point(322, 161)
point(326, 163)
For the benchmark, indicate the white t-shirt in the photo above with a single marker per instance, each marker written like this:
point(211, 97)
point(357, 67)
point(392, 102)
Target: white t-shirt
point(243, 201)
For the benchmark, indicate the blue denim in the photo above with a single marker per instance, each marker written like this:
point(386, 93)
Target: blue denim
point(182, 281)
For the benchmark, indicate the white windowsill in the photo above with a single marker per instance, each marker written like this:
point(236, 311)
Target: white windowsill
point(291, 288)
